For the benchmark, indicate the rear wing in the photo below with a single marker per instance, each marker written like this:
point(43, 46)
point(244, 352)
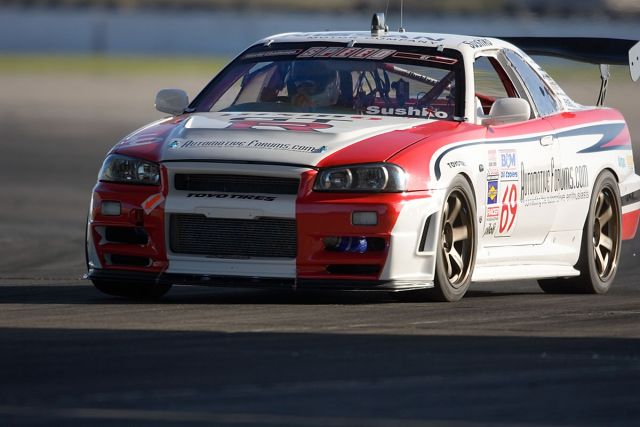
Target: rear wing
point(599, 51)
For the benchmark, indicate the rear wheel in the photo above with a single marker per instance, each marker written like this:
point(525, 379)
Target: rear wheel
point(133, 291)
point(456, 250)
point(600, 249)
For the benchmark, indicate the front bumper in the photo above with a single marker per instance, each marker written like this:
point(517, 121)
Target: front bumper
point(406, 227)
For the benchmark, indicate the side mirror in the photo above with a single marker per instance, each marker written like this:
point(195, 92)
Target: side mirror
point(508, 110)
point(172, 101)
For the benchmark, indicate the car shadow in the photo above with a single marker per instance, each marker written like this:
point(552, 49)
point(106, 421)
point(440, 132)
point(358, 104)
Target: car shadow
point(85, 293)
point(73, 291)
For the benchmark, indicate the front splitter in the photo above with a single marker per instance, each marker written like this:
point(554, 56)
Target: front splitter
point(142, 278)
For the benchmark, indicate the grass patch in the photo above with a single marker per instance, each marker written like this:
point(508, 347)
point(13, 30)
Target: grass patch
point(109, 65)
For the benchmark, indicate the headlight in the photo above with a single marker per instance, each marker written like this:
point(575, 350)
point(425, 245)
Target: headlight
point(128, 170)
point(378, 177)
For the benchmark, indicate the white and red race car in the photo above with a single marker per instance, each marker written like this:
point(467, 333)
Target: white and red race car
point(374, 161)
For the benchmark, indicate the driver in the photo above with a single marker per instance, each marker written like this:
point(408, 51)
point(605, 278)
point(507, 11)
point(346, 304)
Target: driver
point(313, 85)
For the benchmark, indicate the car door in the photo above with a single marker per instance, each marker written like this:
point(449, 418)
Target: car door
point(571, 174)
point(520, 159)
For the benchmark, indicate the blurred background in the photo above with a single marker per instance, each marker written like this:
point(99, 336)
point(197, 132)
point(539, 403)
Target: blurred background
point(78, 75)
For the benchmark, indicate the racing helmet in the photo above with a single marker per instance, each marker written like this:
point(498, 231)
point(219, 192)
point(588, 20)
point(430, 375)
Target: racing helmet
point(314, 80)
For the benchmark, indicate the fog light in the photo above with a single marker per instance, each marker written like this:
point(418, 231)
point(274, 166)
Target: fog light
point(346, 244)
point(110, 208)
point(364, 218)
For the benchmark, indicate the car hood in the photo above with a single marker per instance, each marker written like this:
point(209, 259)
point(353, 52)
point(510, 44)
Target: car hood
point(304, 139)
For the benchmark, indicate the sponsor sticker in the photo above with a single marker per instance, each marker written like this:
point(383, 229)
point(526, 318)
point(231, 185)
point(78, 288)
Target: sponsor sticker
point(493, 213)
point(508, 165)
point(550, 185)
point(478, 43)
point(381, 54)
point(282, 117)
point(456, 164)
point(492, 192)
point(427, 58)
point(349, 52)
point(311, 52)
point(490, 228)
point(231, 196)
point(631, 198)
point(395, 37)
point(143, 139)
point(328, 52)
point(508, 210)
point(270, 53)
point(254, 144)
point(152, 202)
point(406, 112)
point(285, 125)
point(492, 165)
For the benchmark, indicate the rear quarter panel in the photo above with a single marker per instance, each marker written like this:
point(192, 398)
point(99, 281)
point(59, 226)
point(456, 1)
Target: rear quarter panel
point(599, 139)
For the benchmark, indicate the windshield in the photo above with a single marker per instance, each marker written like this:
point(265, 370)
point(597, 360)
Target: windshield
point(337, 80)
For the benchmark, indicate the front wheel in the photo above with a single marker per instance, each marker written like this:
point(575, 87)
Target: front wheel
point(600, 248)
point(456, 250)
point(132, 291)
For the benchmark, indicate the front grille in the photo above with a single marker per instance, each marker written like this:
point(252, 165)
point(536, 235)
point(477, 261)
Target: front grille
point(236, 183)
point(233, 238)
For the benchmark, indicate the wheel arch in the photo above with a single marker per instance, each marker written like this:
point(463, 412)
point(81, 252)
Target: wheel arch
point(432, 220)
point(608, 169)
point(467, 177)
point(456, 249)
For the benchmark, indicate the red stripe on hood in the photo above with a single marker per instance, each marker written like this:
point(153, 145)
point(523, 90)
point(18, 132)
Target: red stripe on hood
point(379, 148)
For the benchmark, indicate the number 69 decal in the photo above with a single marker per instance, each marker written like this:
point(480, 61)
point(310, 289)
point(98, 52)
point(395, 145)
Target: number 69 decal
point(508, 210)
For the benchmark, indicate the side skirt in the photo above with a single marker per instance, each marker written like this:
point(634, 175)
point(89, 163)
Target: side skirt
point(496, 273)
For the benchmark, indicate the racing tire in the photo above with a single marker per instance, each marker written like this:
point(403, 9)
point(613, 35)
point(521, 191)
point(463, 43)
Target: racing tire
point(600, 247)
point(132, 291)
point(456, 249)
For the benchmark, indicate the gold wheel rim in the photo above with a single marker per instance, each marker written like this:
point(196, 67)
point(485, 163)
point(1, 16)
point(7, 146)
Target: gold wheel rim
point(606, 229)
point(456, 240)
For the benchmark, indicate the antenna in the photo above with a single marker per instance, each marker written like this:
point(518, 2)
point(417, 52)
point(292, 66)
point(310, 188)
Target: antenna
point(378, 26)
point(401, 29)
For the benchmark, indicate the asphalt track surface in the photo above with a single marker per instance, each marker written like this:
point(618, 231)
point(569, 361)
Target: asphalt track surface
point(507, 354)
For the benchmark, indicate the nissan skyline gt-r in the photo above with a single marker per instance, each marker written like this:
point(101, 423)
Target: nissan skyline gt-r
point(372, 161)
